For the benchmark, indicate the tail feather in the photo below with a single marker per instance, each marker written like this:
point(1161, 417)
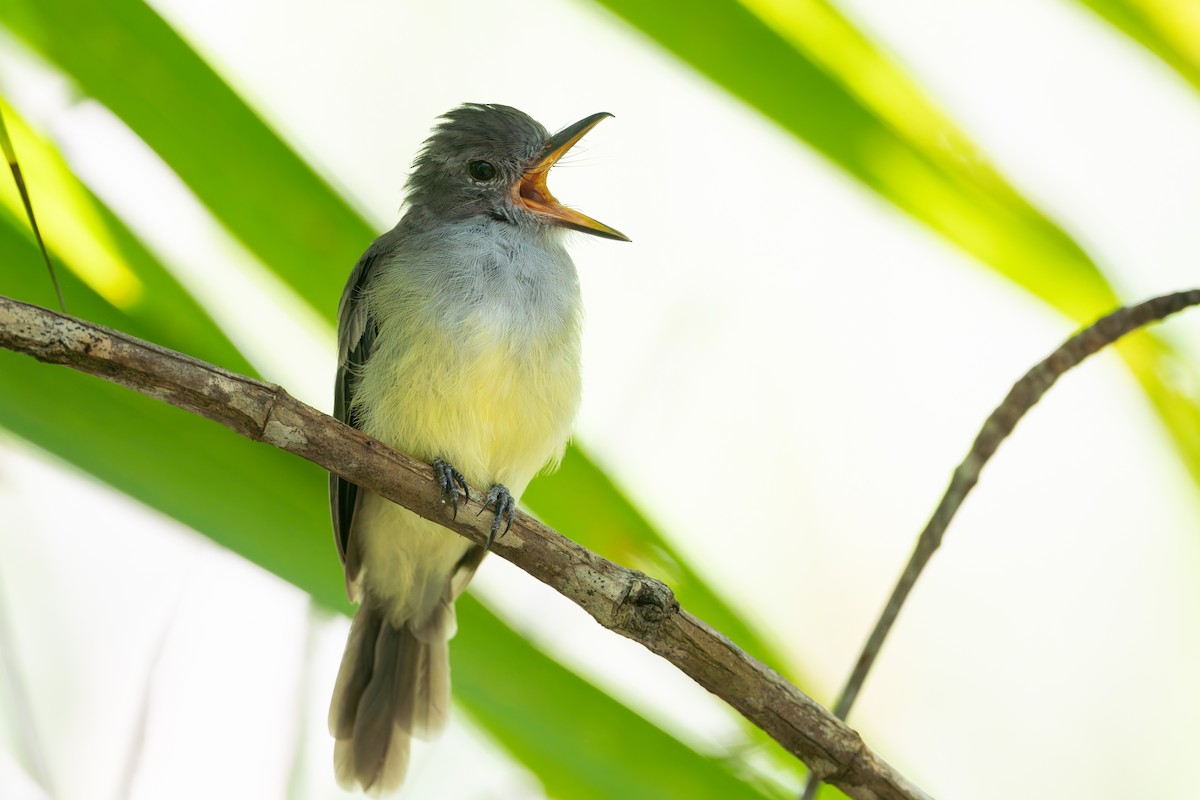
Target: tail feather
point(393, 684)
point(380, 720)
point(431, 703)
point(355, 672)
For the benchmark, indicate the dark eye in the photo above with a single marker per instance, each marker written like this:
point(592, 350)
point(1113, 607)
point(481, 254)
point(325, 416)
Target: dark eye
point(481, 170)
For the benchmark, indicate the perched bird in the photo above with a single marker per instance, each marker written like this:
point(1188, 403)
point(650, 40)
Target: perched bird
point(458, 344)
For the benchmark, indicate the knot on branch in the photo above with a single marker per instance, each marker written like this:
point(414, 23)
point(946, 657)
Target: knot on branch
point(853, 762)
point(645, 606)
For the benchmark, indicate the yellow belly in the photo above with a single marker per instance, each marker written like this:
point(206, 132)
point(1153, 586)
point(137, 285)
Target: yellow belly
point(496, 408)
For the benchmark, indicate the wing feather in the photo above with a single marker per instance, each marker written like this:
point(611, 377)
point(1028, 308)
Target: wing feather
point(356, 339)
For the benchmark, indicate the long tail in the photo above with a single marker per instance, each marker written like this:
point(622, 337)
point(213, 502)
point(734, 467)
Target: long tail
point(394, 683)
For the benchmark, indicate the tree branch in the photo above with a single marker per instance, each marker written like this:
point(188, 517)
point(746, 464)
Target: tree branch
point(623, 600)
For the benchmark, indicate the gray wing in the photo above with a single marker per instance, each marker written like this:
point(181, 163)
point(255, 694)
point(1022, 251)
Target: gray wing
point(356, 338)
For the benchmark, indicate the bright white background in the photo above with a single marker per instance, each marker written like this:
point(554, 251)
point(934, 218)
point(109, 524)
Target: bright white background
point(782, 370)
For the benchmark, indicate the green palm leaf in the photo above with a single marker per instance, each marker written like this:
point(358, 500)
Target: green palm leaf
point(1168, 28)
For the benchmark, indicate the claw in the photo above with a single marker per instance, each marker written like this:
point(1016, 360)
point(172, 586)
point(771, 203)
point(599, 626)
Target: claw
point(450, 480)
point(505, 507)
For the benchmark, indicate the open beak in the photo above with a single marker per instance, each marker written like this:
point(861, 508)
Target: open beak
point(531, 193)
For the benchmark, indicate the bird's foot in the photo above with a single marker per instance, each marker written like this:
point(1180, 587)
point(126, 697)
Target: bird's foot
point(451, 481)
point(499, 498)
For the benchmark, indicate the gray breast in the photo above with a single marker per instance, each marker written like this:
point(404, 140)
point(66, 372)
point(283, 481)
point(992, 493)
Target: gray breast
point(519, 279)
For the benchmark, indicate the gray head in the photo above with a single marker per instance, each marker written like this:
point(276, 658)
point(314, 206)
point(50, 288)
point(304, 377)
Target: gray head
point(491, 160)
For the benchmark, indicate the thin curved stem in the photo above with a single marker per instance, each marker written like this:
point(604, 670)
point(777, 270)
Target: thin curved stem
point(1020, 399)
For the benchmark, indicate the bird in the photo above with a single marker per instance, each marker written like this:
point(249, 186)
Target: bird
point(458, 344)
